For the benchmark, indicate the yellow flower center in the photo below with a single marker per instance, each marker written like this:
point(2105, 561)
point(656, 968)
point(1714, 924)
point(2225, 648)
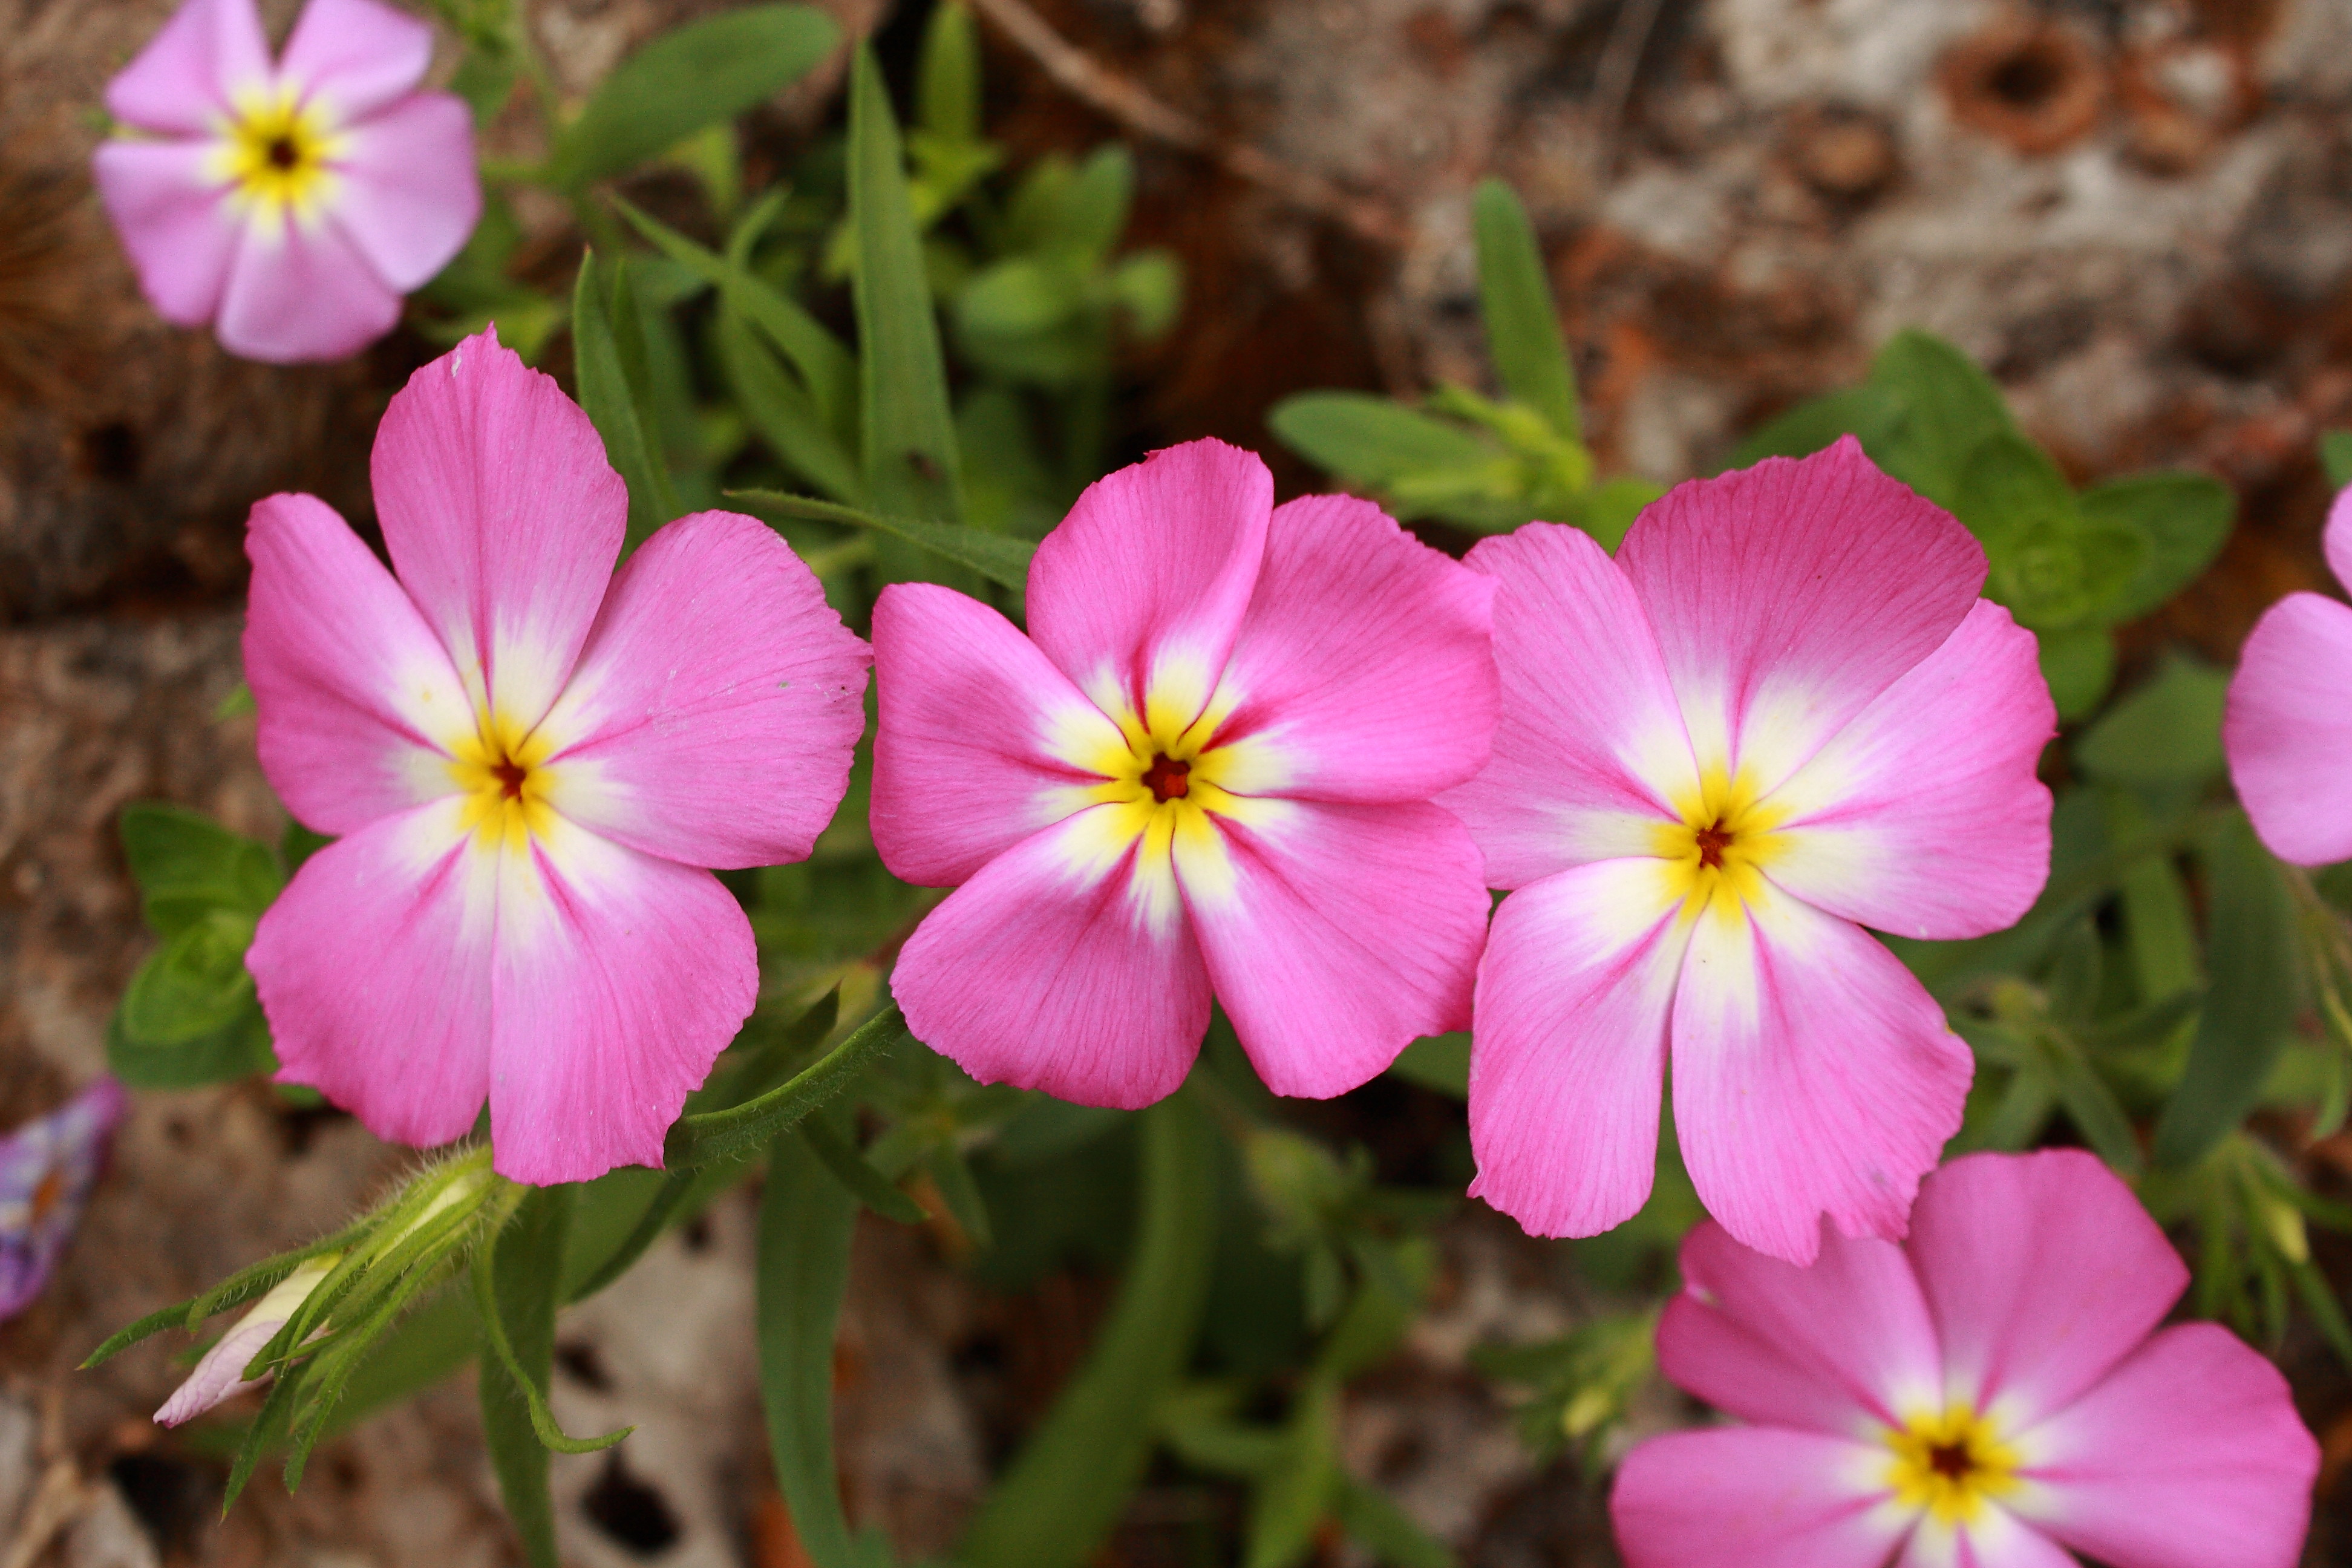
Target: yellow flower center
point(498, 768)
point(1161, 778)
point(1949, 1465)
point(1721, 845)
point(280, 151)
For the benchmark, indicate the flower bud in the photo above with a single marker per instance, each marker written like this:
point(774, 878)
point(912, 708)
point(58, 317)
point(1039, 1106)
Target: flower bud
point(219, 1375)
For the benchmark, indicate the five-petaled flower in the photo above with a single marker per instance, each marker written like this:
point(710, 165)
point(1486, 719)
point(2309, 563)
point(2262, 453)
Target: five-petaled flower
point(1989, 1392)
point(2288, 729)
point(1781, 713)
point(530, 756)
point(1207, 768)
point(47, 1169)
point(290, 204)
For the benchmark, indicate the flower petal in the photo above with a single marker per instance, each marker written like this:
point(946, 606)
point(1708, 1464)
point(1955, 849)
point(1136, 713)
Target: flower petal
point(300, 291)
point(502, 518)
point(618, 980)
point(1142, 587)
point(1786, 596)
point(2044, 1272)
point(1589, 751)
point(2186, 1456)
point(980, 739)
point(354, 56)
point(355, 700)
point(1336, 935)
point(47, 1167)
point(1364, 670)
point(1844, 1347)
point(1755, 1496)
point(373, 968)
point(1812, 1074)
point(1046, 970)
point(408, 195)
point(1993, 1538)
point(1568, 1055)
point(187, 76)
point(2288, 732)
point(221, 1373)
point(1923, 816)
point(168, 206)
point(715, 706)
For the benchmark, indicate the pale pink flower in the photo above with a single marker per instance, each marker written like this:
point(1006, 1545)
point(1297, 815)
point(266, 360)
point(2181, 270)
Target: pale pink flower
point(220, 1375)
point(528, 757)
point(1780, 714)
point(1206, 770)
point(2288, 726)
point(291, 205)
point(1987, 1395)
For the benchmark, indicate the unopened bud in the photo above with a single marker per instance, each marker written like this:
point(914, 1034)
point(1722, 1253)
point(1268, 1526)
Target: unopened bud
point(222, 1371)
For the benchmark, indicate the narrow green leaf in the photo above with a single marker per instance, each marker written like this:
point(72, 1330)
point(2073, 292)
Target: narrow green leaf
point(1005, 561)
point(858, 1178)
point(947, 77)
point(2092, 1105)
point(518, 1279)
point(686, 78)
point(614, 406)
point(263, 1436)
point(427, 1345)
point(1392, 1536)
point(1064, 1492)
point(952, 1174)
point(1522, 326)
point(2167, 732)
point(1290, 1504)
point(2184, 519)
point(670, 1200)
point(2253, 956)
point(806, 1221)
point(1371, 440)
point(722, 1134)
point(781, 412)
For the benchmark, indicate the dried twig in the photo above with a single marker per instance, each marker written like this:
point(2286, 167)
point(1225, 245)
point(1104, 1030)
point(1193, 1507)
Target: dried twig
point(1612, 81)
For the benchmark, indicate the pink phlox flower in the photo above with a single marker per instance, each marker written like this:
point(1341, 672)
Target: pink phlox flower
point(47, 1167)
point(1990, 1393)
point(1206, 769)
point(290, 204)
point(2288, 729)
point(528, 758)
point(1780, 714)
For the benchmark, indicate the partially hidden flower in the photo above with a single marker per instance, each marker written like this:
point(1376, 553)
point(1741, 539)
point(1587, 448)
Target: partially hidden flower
point(47, 1169)
point(2286, 729)
point(290, 204)
point(1779, 715)
point(221, 1373)
point(529, 759)
point(1206, 770)
point(1990, 1393)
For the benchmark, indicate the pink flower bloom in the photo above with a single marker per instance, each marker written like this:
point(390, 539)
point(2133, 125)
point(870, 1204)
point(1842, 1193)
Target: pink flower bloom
point(1781, 713)
point(2288, 731)
point(47, 1169)
point(1987, 1395)
point(1207, 768)
point(528, 757)
point(289, 205)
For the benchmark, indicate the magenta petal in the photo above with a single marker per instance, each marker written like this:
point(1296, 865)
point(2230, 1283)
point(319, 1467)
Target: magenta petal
point(974, 746)
point(2043, 1270)
point(1143, 585)
point(502, 518)
point(1590, 749)
point(619, 978)
point(1047, 971)
point(186, 76)
point(179, 231)
point(1364, 665)
point(1994, 1538)
point(715, 706)
point(1812, 1074)
point(300, 292)
point(1336, 935)
point(221, 1373)
point(354, 56)
point(408, 193)
point(1787, 596)
point(1844, 1347)
point(1753, 1497)
point(2288, 731)
point(1568, 1056)
point(373, 968)
point(356, 701)
point(1923, 816)
point(2190, 1455)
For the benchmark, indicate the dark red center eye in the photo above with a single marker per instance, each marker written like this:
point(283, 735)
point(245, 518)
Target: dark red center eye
point(282, 153)
point(1951, 1461)
point(1712, 842)
point(509, 779)
point(1168, 778)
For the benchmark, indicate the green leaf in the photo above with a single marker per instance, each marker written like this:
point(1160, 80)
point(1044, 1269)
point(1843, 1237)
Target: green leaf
point(2167, 732)
point(2079, 665)
point(2183, 518)
point(517, 1317)
point(686, 78)
point(1094, 206)
point(913, 468)
point(1150, 286)
point(2253, 954)
point(1523, 331)
point(1869, 412)
point(857, 1176)
point(779, 410)
point(612, 404)
point(806, 1221)
point(187, 865)
point(947, 76)
point(1291, 1502)
point(1610, 509)
point(1002, 561)
point(1391, 1535)
point(2335, 457)
point(2008, 486)
point(1949, 408)
point(1016, 297)
point(1372, 441)
point(952, 1175)
point(1060, 1499)
point(1441, 1062)
point(724, 1134)
point(238, 1047)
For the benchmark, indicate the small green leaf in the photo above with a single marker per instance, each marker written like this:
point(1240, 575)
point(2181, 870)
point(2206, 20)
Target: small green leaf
point(947, 76)
point(1523, 331)
point(2184, 520)
point(1441, 1062)
point(1611, 509)
point(857, 1177)
point(952, 1174)
point(2335, 457)
point(1291, 1502)
point(1021, 295)
point(187, 865)
point(1393, 1536)
point(806, 1221)
point(1369, 440)
point(999, 560)
point(687, 77)
point(1949, 408)
point(2079, 665)
point(1869, 412)
point(2008, 486)
point(1150, 287)
point(614, 406)
point(723, 1134)
point(779, 410)
point(2167, 732)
